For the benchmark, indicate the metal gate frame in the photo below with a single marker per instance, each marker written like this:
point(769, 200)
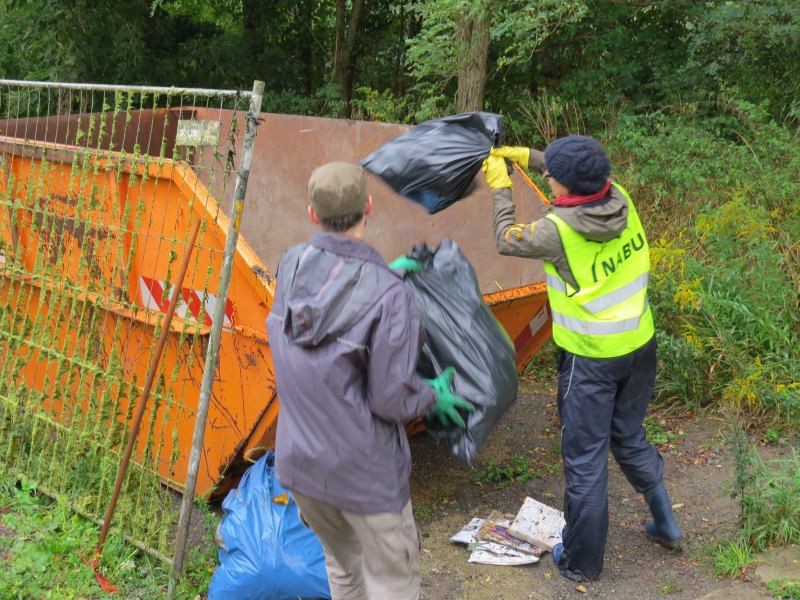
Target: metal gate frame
point(75, 216)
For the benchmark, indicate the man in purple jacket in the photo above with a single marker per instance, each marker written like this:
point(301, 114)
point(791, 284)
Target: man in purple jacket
point(345, 336)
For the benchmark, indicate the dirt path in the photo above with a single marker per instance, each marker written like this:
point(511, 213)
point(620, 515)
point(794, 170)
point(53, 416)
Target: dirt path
point(698, 473)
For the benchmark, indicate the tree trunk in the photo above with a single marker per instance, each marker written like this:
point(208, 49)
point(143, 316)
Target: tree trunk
point(399, 57)
point(306, 34)
point(338, 42)
point(473, 33)
point(344, 55)
point(255, 15)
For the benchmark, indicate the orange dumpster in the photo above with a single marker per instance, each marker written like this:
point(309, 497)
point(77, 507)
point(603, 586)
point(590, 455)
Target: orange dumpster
point(244, 406)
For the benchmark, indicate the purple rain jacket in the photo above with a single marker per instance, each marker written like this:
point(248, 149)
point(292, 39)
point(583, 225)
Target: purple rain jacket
point(345, 336)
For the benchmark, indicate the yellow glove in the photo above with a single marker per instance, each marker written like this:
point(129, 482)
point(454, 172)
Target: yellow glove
point(496, 172)
point(518, 154)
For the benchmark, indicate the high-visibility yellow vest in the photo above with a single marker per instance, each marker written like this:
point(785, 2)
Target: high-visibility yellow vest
point(608, 315)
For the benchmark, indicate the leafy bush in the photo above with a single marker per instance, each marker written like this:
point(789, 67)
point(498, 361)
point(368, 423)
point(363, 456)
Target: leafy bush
point(372, 105)
point(718, 193)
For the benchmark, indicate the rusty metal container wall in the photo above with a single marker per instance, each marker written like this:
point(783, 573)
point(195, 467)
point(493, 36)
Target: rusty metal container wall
point(289, 148)
point(144, 129)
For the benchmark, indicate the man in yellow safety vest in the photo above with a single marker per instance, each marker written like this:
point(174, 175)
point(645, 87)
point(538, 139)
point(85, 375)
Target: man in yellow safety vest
point(597, 264)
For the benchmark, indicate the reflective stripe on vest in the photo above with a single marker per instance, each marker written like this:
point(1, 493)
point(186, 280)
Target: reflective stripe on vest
point(608, 314)
point(599, 327)
point(618, 296)
point(611, 299)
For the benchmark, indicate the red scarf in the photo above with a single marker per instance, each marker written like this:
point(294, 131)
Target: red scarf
point(571, 200)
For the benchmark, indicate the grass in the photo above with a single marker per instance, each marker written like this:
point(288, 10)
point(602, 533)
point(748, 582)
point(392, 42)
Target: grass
point(767, 492)
point(770, 507)
point(542, 365)
point(42, 542)
point(732, 558)
point(423, 513)
point(670, 588)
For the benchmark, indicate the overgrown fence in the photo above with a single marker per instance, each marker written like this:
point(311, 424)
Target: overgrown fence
point(98, 188)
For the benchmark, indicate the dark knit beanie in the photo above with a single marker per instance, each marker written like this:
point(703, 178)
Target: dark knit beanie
point(579, 163)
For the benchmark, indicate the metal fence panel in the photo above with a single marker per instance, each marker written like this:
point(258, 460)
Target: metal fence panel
point(98, 188)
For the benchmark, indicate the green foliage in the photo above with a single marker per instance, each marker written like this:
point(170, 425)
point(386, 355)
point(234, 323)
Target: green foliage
point(112, 42)
point(784, 589)
point(744, 477)
point(771, 436)
point(542, 365)
point(724, 277)
point(85, 471)
point(656, 434)
point(324, 102)
point(518, 469)
point(43, 543)
point(728, 42)
point(423, 513)
point(670, 588)
point(770, 510)
point(620, 51)
point(731, 559)
point(651, 53)
point(538, 120)
point(371, 105)
point(648, 55)
point(767, 493)
point(518, 30)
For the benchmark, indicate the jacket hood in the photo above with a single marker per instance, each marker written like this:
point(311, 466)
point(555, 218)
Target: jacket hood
point(328, 285)
point(598, 221)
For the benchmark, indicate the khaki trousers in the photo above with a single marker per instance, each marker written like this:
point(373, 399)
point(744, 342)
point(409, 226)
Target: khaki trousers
point(368, 557)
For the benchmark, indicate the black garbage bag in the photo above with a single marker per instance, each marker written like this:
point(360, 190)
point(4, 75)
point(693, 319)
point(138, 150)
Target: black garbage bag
point(435, 163)
point(462, 332)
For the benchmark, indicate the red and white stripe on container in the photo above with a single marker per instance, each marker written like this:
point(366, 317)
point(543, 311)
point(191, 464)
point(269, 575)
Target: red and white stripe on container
point(529, 332)
point(193, 305)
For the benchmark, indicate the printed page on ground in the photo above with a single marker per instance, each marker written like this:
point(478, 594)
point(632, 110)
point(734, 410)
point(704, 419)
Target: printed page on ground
point(538, 524)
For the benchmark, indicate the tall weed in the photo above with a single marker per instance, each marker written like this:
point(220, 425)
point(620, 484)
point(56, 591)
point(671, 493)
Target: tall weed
point(767, 492)
point(540, 119)
point(720, 197)
point(770, 510)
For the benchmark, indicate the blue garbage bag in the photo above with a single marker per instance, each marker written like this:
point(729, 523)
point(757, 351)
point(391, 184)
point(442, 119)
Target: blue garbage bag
point(266, 553)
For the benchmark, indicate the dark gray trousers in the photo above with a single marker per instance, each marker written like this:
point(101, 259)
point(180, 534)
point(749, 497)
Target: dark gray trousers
point(602, 403)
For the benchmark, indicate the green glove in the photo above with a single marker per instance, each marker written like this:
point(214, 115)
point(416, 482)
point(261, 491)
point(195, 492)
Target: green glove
point(447, 403)
point(496, 171)
point(404, 263)
point(518, 154)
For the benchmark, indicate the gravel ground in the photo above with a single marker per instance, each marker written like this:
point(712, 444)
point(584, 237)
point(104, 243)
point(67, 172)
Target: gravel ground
point(698, 475)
